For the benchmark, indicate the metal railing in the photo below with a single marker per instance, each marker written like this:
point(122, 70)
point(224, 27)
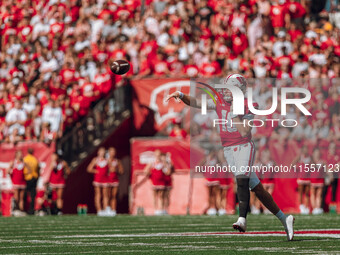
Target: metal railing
point(101, 121)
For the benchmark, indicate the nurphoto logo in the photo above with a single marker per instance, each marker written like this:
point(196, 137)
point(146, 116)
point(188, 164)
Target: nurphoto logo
point(238, 104)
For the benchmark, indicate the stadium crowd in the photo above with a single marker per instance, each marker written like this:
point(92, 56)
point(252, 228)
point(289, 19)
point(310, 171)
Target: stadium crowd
point(54, 56)
point(54, 53)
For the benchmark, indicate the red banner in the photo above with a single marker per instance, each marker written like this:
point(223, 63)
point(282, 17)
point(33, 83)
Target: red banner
point(142, 152)
point(149, 104)
point(188, 194)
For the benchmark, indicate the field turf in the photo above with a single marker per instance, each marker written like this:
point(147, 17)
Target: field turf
point(166, 235)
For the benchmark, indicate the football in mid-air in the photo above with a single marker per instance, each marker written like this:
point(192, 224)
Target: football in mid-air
point(119, 66)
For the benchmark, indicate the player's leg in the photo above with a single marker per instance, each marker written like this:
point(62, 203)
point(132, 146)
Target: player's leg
point(243, 194)
point(244, 157)
point(270, 190)
point(241, 157)
point(268, 201)
point(238, 159)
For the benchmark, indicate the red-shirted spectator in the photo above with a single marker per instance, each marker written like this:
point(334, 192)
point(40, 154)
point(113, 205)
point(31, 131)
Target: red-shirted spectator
point(68, 74)
point(191, 70)
point(210, 68)
point(279, 14)
point(159, 65)
point(296, 10)
point(103, 80)
point(239, 41)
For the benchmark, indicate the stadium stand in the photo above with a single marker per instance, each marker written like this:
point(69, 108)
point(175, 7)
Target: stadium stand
point(55, 50)
point(54, 55)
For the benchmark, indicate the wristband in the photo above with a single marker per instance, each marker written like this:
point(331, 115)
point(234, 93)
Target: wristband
point(181, 95)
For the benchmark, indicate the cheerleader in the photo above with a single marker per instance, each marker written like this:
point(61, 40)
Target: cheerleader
point(99, 166)
point(317, 182)
point(15, 169)
point(303, 181)
point(59, 171)
point(154, 171)
point(116, 169)
point(212, 182)
point(168, 170)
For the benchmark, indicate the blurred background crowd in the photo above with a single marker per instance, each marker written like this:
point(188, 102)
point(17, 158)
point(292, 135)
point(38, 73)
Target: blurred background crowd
point(54, 59)
point(54, 53)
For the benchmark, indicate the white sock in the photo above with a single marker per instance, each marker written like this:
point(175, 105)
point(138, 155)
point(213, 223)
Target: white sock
point(282, 217)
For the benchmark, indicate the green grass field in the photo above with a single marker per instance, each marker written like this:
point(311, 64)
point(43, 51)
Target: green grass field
point(164, 235)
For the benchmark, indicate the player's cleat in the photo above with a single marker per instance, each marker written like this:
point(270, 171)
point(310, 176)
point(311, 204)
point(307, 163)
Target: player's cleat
point(240, 225)
point(289, 228)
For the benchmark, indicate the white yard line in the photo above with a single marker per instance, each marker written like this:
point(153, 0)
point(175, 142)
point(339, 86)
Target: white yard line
point(191, 234)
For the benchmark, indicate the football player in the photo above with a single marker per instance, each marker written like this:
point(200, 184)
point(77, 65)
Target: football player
point(239, 151)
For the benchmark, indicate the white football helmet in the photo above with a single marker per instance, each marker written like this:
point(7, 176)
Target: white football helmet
point(236, 80)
